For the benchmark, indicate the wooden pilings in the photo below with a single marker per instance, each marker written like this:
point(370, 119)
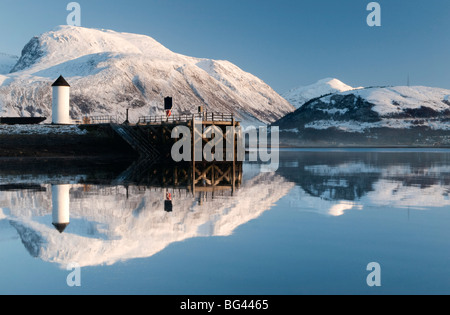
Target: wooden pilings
point(198, 177)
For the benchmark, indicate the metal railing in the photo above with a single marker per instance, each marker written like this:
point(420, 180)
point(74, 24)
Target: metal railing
point(146, 120)
point(186, 117)
point(89, 120)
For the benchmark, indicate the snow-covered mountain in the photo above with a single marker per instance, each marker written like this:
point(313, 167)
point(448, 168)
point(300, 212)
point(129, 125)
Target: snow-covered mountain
point(7, 62)
point(110, 72)
point(299, 96)
point(381, 115)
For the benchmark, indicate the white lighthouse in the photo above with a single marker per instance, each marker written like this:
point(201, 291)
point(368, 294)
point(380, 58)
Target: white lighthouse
point(61, 206)
point(61, 102)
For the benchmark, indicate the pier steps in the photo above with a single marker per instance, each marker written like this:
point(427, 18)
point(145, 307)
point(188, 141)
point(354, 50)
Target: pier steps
point(136, 140)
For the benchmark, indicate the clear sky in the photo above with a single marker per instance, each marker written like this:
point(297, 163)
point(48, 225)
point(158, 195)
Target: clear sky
point(287, 43)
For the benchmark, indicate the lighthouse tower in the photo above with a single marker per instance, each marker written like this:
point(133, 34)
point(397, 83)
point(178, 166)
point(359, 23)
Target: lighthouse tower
point(61, 102)
point(61, 206)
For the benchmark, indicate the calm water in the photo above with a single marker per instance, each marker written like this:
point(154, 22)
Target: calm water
point(310, 228)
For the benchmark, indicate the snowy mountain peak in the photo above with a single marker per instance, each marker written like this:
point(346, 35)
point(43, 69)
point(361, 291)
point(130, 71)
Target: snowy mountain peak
point(70, 42)
point(334, 84)
point(299, 96)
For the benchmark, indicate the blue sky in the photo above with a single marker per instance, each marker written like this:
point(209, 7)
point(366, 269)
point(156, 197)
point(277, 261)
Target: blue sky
point(287, 43)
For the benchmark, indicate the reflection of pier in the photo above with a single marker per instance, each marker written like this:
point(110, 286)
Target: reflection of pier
point(194, 177)
point(205, 181)
point(188, 176)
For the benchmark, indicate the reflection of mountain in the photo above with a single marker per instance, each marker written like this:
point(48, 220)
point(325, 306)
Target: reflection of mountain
point(31, 239)
point(113, 223)
point(334, 182)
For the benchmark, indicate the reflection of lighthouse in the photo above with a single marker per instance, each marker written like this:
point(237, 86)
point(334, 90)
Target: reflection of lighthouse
point(61, 206)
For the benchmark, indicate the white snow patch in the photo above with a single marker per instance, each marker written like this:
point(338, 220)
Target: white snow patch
point(394, 100)
point(439, 125)
point(353, 125)
point(40, 130)
point(294, 130)
point(334, 111)
point(299, 96)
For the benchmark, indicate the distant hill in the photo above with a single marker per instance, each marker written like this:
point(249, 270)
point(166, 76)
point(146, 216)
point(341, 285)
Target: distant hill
point(385, 116)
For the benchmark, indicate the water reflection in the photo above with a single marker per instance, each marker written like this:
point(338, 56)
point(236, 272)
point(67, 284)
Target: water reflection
point(96, 213)
point(139, 213)
point(335, 182)
point(61, 206)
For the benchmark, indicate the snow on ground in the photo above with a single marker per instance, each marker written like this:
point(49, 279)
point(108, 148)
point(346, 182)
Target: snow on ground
point(361, 127)
point(357, 126)
point(293, 130)
point(40, 130)
point(394, 100)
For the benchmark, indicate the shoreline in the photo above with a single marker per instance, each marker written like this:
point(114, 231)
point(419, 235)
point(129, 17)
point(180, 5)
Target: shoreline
point(100, 142)
point(63, 142)
point(366, 147)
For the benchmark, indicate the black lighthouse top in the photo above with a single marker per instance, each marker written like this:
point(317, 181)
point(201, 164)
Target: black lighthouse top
point(61, 82)
point(60, 226)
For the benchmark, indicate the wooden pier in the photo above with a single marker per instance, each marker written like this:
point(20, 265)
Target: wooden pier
point(151, 136)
